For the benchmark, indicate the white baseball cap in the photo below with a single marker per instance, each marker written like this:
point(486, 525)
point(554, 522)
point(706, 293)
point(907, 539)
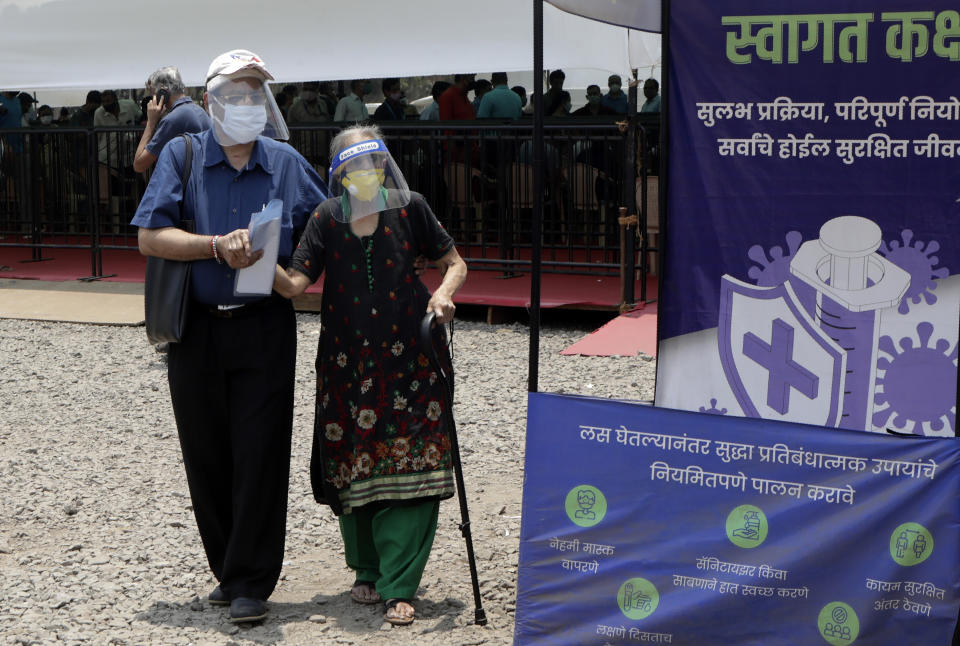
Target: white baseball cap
point(238, 63)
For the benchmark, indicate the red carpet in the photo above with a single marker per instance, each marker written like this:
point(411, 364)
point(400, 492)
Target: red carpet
point(629, 333)
point(481, 288)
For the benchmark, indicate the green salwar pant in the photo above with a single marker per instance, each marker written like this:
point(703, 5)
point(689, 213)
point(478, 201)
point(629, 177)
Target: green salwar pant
point(390, 545)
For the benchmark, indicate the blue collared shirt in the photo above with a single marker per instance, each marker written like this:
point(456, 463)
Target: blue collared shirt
point(220, 199)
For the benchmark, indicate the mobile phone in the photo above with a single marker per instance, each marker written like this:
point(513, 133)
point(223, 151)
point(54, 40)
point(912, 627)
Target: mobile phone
point(162, 95)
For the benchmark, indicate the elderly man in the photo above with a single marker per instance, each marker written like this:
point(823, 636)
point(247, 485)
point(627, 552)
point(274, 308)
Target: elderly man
point(169, 114)
point(232, 375)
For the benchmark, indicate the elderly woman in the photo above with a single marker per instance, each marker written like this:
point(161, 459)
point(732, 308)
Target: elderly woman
point(381, 457)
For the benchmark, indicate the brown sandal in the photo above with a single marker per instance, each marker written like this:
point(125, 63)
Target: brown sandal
point(397, 620)
point(359, 598)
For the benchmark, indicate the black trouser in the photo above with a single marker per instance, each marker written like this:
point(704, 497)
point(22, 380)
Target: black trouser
point(231, 383)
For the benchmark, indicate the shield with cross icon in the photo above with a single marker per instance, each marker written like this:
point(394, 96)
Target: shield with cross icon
point(778, 362)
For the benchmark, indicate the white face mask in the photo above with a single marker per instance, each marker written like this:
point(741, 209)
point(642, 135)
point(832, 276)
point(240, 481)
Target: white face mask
point(46, 120)
point(242, 123)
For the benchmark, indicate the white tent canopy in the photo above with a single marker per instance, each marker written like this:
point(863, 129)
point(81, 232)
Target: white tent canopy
point(95, 44)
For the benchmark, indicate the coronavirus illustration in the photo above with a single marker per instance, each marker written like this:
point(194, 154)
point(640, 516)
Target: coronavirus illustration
point(919, 261)
point(916, 383)
point(773, 269)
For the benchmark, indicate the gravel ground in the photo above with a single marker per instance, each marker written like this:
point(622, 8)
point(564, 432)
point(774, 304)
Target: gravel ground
point(97, 538)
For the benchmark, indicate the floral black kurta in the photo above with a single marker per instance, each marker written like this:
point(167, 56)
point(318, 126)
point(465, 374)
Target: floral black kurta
point(379, 431)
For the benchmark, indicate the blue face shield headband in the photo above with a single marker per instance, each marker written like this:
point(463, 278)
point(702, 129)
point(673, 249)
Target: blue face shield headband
point(367, 180)
point(368, 147)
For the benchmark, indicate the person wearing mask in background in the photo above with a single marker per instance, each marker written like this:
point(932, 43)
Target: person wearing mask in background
point(231, 377)
point(480, 90)
point(501, 102)
point(594, 106)
point(453, 103)
point(392, 108)
point(83, 118)
point(651, 90)
point(351, 107)
point(170, 113)
point(615, 99)
point(328, 96)
point(432, 111)
point(45, 117)
point(114, 111)
point(551, 98)
point(309, 108)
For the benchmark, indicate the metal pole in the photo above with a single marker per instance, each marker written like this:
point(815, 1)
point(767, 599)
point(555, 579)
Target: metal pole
point(663, 147)
point(537, 195)
point(630, 199)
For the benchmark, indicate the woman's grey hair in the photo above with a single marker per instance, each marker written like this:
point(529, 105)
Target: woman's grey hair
point(166, 77)
point(350, 134)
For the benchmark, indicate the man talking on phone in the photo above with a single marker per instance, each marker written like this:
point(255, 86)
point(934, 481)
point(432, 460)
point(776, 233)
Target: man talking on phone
point(169, 114)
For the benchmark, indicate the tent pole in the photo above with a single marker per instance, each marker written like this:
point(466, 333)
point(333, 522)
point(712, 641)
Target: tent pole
point(537, 218)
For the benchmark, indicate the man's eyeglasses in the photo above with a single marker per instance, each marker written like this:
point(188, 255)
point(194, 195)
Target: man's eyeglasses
point(243, 98)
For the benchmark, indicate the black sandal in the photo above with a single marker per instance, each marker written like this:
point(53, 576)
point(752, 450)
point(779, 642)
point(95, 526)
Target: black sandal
point(397, 621)
point(372, 585)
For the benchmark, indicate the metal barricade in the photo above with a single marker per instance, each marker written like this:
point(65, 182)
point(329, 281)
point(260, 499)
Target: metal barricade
point(76, 188)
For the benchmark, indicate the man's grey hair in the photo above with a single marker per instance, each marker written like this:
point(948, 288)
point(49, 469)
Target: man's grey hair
point(166, 77)
point(351, 134)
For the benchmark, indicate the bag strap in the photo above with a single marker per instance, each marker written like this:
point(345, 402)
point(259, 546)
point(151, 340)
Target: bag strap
point(185, 177)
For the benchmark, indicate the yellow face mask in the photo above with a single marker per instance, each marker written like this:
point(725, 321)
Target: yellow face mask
point(364, 185)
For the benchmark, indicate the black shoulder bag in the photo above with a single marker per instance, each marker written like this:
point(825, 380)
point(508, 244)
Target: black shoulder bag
point(166, 290)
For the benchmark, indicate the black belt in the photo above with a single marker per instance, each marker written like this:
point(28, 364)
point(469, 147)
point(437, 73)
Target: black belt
point(246, 309)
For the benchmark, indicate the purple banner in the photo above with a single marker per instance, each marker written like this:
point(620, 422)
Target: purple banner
point(812, 253)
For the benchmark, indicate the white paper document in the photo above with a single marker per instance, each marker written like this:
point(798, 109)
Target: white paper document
point(257, 279)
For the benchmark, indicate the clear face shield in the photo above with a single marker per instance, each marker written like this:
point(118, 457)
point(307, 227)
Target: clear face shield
point(243, 108)
point(367, 180)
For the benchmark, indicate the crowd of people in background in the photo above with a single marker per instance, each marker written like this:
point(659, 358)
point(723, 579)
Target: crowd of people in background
point(123, 156)
point(318, 102)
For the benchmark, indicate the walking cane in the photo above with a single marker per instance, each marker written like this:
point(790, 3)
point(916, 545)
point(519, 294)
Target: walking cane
point(426, 339)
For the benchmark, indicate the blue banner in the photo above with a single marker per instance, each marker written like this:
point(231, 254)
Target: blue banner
point(812, 252)
point(645, 525)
